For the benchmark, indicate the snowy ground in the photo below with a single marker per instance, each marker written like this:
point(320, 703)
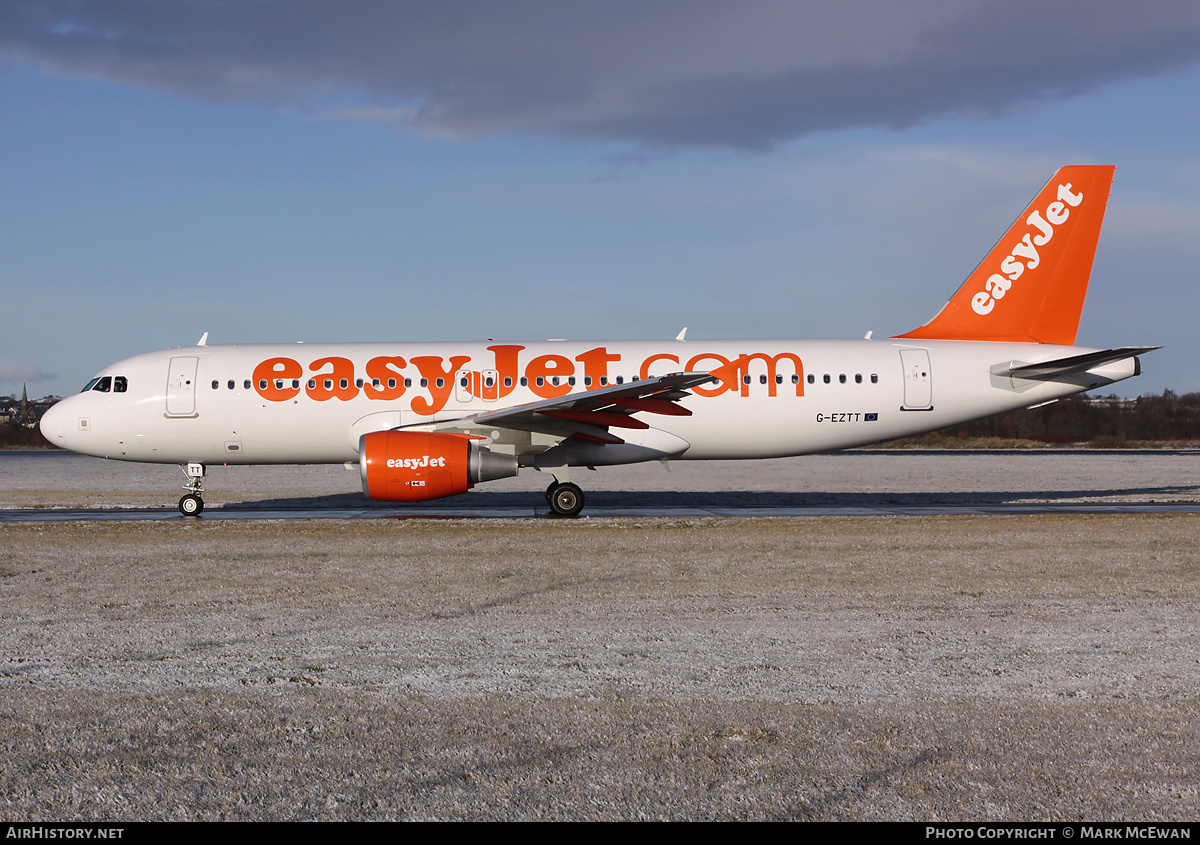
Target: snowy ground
point(883, 667)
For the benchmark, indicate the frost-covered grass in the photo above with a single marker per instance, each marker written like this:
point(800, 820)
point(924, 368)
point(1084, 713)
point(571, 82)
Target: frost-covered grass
point(884, 667)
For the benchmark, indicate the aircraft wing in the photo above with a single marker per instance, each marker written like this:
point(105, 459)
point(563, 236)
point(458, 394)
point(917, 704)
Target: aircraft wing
point(589, 414)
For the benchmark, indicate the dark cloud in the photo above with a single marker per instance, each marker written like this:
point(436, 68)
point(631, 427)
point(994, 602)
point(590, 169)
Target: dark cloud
point(667, 73)
point(22, 371)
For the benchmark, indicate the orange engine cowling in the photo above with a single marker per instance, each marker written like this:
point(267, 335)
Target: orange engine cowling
point(414, 466)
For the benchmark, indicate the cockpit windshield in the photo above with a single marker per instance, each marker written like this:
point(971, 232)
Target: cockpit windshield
point(105, 384)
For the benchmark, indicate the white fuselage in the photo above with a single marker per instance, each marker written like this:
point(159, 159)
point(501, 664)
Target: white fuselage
point(309, 403)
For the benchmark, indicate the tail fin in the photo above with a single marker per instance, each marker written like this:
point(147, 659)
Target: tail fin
point(1031, 287)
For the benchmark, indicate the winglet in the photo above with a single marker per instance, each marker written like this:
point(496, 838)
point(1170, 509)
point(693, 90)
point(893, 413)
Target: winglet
point(1031, 286)
point(203, 340)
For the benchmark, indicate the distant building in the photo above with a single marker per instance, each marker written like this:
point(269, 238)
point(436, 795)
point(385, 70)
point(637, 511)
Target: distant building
point(1110, 402)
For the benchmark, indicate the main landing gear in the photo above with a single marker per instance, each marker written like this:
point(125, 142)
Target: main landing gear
point(564, 498)
point(192, 504)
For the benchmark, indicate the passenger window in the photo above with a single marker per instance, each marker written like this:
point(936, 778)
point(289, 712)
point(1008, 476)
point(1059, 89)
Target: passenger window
point(825, 378)
point(391, 383)
point(779, 379)
point(464, 381)
point(540, 381)
point(796, 378)
point(746, 378)
point(424, 382)
point(620, 379)
point(874, 378)
point(489, 382)
point(216, 384)
point(508, 381)
point(329, 384)
point(441, 382)
point(231, 384)
point(312, 384)
point(858, 378)
point(571, 380)
point(262, 384)
point(554, 381)
point(524, 381)
point(358, 383)
point(295, 384)
point(812, 379)
point(408, 382)
point(842, 378)
point(247, 384)
point(587, 381)
point(344, 383)
point(375, 382)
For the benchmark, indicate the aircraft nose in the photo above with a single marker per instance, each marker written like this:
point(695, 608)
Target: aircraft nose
point(54, 425)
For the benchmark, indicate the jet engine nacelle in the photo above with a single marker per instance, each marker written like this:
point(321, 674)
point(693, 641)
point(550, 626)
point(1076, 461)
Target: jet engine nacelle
point(414, 466)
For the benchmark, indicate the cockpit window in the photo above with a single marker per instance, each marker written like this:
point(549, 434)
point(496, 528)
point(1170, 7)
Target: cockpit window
point(104, 385)
point(120, 384)
point(89, 385)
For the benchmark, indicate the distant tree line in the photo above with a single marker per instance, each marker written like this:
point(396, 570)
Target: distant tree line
point(14, 434)
point(1102, 421)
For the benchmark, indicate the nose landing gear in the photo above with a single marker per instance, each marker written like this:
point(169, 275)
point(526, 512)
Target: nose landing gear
point(192, 504)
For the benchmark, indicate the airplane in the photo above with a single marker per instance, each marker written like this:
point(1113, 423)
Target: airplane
point(428, 420)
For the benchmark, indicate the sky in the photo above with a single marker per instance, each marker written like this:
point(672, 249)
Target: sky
point(283, 170)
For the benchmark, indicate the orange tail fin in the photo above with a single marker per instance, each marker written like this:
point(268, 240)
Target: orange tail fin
point(1031, 287)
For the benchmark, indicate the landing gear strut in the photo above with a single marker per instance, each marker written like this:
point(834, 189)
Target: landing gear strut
point(192, 504)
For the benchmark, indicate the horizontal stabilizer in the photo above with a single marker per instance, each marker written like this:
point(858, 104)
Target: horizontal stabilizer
point(1073, 364)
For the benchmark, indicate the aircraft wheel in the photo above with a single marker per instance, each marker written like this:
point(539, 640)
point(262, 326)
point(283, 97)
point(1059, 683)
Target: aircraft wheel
point(550, 491)
point(191, 505)
point(566, 499)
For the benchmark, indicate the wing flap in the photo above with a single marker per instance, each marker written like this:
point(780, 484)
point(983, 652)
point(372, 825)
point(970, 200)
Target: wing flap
point(666, 388)
point(585, 415)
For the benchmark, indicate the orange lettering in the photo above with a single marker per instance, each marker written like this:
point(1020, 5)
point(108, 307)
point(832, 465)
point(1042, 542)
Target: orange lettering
point(546, 367)
point(704, 390)
point(431, 368)
point(595, 364)
point(340, 380)
point(645, 371)
point(771, 361)
point(277, 369)
point(506, 368)
point(385, 368)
